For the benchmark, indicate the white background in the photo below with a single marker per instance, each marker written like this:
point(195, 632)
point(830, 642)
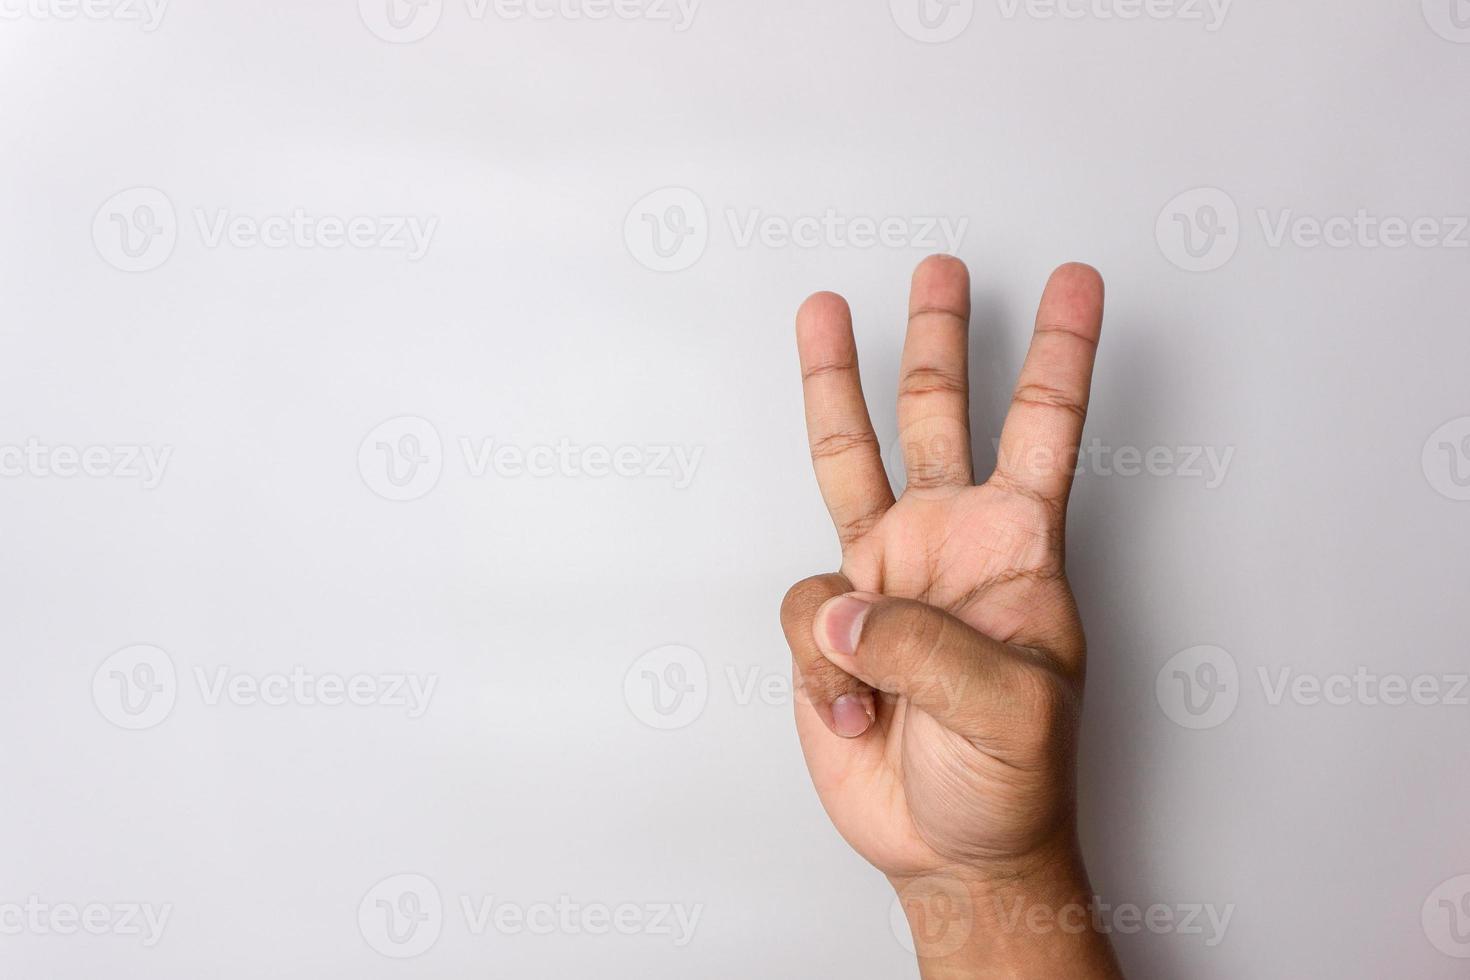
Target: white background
point(1335, 541)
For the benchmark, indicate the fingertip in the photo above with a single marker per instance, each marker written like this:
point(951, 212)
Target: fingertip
point(941, 264)
point(1073, 302)
point(824, 335)
point(941, 281)
point(821, 307)
point(802, 601)
point(1077, 279)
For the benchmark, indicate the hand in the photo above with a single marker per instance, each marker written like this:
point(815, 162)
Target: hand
point(941, 670)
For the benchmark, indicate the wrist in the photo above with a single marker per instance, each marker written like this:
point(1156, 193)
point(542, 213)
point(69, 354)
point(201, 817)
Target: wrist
point(1015, 920)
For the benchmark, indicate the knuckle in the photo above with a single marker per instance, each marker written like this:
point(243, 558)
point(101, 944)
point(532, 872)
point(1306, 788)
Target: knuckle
point(800, 604)
point(910, 638)
point(934, 474)
point(1050, 707)
point(819, 681)
point(802, 600)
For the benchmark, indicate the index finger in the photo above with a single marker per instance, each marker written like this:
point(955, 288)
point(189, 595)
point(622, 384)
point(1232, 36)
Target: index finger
point(844, 449)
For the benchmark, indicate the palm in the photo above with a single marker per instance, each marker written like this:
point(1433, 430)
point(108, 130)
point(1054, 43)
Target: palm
point(914, 797)
point(980, 553)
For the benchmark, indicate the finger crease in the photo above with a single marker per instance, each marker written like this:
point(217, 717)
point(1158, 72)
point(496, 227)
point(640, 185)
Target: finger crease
point(1071, 331)
point(1046, 396)
point(930, 381)
point(941, 311)
point(851, 529)
point(832, 367)
point(837, 443)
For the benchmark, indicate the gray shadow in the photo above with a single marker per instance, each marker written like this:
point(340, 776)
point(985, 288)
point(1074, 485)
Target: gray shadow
point(1115, 781)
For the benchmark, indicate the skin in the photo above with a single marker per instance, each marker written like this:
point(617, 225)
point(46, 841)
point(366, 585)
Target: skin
point(942, 667)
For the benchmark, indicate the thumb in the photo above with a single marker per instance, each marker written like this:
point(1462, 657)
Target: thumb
point(1001, 697)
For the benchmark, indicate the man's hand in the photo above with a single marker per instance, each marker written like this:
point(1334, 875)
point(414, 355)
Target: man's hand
point(941, 670)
